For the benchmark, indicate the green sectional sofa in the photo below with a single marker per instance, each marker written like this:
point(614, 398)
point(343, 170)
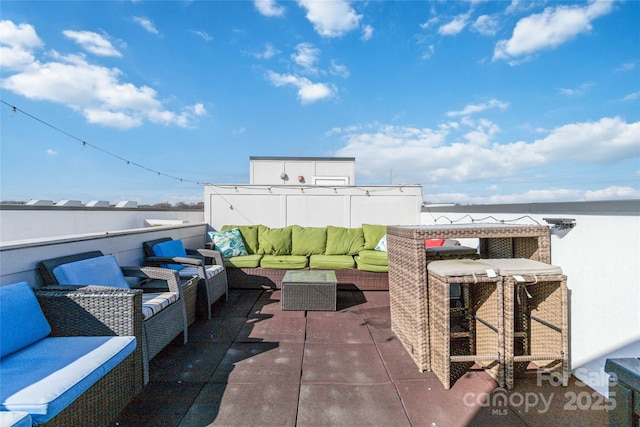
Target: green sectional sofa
point(267, 253)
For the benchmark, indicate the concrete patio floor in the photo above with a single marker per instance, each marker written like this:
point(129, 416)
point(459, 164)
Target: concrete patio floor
point(256, 365)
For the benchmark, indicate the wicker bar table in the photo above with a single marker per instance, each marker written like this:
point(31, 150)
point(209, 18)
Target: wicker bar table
point(408, 270)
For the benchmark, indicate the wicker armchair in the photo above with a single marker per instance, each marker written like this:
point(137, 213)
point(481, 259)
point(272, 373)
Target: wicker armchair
point(159, 329)
point(98, 311)
point(212, 277)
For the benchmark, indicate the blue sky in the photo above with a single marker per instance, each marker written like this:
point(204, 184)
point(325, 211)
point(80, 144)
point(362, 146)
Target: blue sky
point(477, 101)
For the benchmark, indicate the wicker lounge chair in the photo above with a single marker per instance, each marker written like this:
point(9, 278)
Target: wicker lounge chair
point(97, 311)
point(161, 327)
point(191, 262)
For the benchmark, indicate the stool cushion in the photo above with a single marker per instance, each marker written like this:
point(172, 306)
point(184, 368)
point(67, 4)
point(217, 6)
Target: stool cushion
point(511, 266)
point(459, 267)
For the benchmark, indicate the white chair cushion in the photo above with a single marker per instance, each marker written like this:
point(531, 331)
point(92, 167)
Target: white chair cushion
point(153, 302)
point(210, 271)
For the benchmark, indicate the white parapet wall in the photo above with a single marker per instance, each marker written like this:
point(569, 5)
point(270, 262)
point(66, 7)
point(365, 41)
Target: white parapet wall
point(312, 206)
point(600, 257)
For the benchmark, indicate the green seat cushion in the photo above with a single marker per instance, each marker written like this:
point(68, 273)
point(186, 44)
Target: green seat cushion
point(344, 241)
point(274, 241)
point(373, 234)
point(249, 235)
point(308, 240)
point(283, 261)
point(332, 262)
point(371, 267)
point(246, 261)
point(373, 257)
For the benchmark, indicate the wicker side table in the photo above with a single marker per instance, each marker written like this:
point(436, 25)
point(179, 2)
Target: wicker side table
point(471, 333)
point(313, 290)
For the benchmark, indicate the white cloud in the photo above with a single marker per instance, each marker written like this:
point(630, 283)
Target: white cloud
point(204, 35)
point(16, 44)
point(607, 140)
point(477, 108)
point(146, 24)
point(339, 70)
point(632, 96)
point(549, 29)
point(439, 157)
point(548, 195)
point(429, 22)
point(580, 90)
point(331, 18)
point(455, 26)
point(268, 52)
point(486, 25)
point(51, 152)
point(92, 42)
point(95, 91)
point(306, 56)
point(268, 7)
point(367, 32)
point(308, 92)
point(627, 66)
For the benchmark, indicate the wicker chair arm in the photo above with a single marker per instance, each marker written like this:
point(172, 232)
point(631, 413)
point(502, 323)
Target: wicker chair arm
point(210, 253)
point(195, 253)
point(159, 260)
point(166, 274)
point(92, 310)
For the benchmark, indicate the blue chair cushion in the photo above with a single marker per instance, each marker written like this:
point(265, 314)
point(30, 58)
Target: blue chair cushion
point(22, 321)
point(102, 271)
point(170, 248)
point(44, 378)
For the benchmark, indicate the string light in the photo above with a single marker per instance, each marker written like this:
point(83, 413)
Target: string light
point(95, 147)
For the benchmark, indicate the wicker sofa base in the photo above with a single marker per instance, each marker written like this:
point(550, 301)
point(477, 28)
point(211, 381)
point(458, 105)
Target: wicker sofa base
point(271, 278)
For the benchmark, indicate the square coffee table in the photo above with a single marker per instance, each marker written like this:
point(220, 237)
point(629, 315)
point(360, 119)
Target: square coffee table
point(309, 290)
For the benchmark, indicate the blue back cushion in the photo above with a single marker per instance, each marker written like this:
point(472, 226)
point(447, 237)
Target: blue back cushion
point(170, 248)
point(21, 317)
point(102, 270)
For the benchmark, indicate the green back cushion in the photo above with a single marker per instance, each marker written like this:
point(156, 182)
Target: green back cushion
point(308, 240)
point(249, 235)
point(373, 234)
point(274, 241)
point(344, 241)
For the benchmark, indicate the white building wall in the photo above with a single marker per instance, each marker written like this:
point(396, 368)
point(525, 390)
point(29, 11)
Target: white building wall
point(601, 258)
point(287, 170)
point(343, 206)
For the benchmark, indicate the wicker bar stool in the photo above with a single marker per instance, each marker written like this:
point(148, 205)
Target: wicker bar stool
point(536, 317)
point(471, 333)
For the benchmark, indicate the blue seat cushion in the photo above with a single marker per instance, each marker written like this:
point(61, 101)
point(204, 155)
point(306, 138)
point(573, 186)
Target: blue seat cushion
point(102, 271)
point(172, 249)
point(22, 321)
point(44, 378)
